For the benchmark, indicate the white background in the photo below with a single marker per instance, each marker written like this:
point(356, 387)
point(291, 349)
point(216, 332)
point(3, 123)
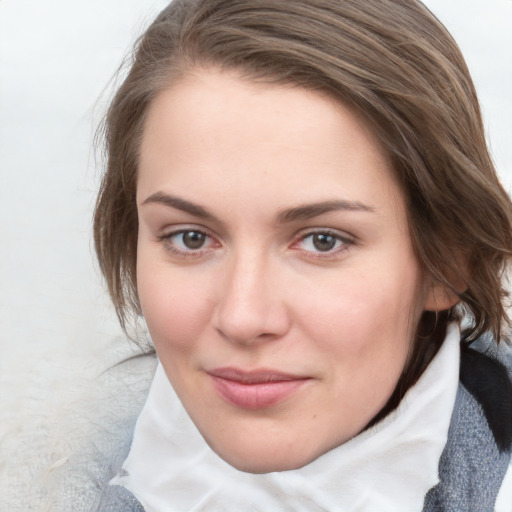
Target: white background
point(56, 59)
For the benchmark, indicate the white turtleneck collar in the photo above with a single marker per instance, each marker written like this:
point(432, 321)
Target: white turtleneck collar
point(389, 467)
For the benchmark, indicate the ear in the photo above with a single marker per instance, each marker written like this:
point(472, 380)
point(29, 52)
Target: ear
point(440, 297)
point(443, 295)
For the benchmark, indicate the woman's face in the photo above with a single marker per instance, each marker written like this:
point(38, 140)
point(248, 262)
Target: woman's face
point(275, 268)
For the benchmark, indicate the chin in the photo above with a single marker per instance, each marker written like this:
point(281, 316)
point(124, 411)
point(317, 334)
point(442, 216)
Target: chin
point(264, 461)
point(264, 465)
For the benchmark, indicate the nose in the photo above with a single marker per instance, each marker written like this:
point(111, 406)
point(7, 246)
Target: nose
point(250, 307)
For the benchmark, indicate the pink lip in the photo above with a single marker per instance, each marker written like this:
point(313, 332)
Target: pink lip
point(256, 389)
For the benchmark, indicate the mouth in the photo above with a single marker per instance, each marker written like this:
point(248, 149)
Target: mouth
point(256, 389)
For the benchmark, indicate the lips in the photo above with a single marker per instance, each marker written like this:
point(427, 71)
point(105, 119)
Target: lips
point(257, 389)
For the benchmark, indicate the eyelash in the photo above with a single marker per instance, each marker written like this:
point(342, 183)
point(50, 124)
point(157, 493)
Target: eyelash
point(343, 243)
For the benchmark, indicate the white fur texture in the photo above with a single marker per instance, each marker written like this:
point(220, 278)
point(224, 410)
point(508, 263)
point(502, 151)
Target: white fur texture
point(63, 435)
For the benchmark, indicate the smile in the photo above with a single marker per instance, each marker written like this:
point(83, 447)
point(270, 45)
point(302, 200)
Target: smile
point(256, 389)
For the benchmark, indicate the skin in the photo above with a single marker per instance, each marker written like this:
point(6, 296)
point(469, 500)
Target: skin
point(266, 287)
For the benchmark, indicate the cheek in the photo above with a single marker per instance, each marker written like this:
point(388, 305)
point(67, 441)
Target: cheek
point(364, 312)
point(175, 305)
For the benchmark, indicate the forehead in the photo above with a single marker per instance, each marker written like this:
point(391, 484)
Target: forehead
point(214, 133)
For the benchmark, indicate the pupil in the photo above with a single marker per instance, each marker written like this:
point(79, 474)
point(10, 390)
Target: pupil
point(193, 239)
point(323, 242)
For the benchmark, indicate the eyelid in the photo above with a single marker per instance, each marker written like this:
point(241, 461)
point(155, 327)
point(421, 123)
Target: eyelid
point(315, 230)
point(183, 228)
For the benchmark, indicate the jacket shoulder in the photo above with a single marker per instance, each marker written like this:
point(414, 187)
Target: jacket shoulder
point(488, 381)
point(116, 498)
point(478, 450)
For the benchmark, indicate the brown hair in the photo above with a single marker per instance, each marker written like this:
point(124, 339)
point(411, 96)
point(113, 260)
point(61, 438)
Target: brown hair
point(391, 60)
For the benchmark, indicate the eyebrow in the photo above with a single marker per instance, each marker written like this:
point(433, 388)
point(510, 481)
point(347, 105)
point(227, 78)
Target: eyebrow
point(303, 212)
point(309, 211)
point(179, 204)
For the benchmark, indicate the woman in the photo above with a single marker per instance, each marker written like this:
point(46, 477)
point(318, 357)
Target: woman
point(300, 203)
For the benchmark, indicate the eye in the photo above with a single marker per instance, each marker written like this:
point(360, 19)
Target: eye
point(188, 242)
point(192, 239)
point(320, 243)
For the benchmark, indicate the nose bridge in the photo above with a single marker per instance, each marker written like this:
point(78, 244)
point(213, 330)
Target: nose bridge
point(250, 307)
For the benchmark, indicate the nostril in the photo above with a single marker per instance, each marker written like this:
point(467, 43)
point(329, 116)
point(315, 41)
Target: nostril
point(251, 328)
